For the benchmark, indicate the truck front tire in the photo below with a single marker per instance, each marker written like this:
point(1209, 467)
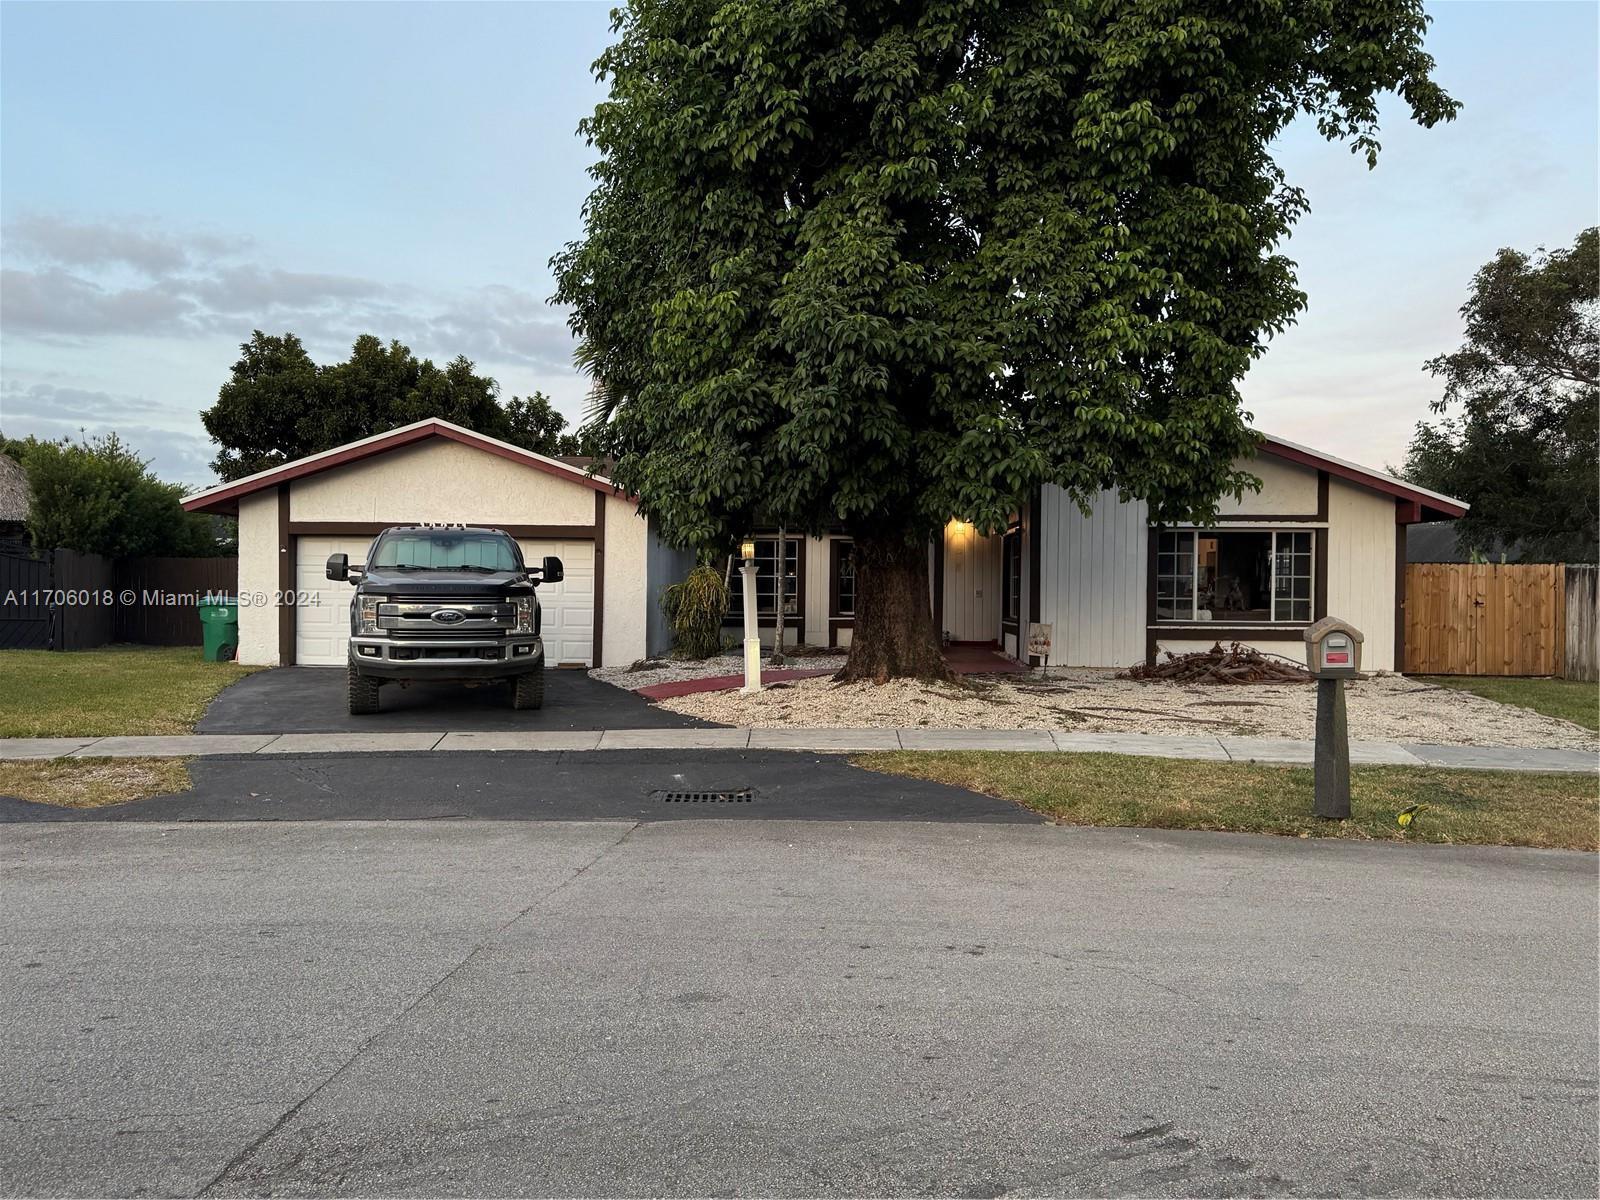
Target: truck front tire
point(362, 691)
point(527, 689)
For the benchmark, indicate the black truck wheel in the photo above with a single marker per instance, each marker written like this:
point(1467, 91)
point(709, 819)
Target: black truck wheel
point(527, 689)
point(362, 691)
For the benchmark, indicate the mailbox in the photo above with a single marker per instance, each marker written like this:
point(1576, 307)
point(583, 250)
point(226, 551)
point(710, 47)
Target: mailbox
point(1333, 649)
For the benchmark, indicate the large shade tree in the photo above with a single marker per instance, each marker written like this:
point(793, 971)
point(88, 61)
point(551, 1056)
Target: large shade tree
point(1520, 413)
point(874, 264)
point(278, 405)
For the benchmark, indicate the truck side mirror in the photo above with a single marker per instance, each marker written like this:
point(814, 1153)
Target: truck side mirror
point(552, 570)
point(338, 566)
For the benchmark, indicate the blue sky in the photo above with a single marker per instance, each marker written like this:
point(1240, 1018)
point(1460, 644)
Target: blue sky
point(173, 176)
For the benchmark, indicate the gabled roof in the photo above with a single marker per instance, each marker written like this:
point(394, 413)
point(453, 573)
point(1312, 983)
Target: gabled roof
point(224, 498)
point(1425, 505)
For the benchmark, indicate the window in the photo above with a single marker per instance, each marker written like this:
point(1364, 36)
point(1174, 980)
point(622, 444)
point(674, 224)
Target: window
point(767, 580)
point(1011, 576)
point(444, 549)
point(1242, 577)
point(844, 578)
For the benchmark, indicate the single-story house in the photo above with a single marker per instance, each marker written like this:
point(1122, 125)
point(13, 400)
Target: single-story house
point(1321, 536)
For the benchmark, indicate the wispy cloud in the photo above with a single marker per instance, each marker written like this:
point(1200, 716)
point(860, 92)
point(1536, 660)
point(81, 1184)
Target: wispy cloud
point(81, 281)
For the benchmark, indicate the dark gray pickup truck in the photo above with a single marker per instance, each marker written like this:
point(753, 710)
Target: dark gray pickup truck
point(447, 603)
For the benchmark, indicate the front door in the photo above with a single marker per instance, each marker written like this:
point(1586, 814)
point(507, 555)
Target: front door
point(971, 584)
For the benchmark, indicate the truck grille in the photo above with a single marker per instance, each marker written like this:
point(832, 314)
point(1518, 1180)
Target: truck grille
point(423, 617)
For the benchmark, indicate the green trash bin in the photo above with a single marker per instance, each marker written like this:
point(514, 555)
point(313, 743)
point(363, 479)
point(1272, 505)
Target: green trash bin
point(219, 625)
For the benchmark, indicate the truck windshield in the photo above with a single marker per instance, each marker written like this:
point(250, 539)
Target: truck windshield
point(446, 550)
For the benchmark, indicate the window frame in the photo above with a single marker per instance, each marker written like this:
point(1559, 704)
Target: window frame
point(1190, 549)
point(1011, 579)
point(793, 622)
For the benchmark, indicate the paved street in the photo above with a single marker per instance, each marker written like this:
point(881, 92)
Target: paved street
point(705, 1007)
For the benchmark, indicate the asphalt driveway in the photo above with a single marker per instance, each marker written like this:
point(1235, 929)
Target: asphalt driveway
point(312, 700)
point(716, 1008)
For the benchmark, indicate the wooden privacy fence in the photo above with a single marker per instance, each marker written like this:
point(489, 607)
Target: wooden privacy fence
point(150, 620)
point(1500, 619)
point(62, 600)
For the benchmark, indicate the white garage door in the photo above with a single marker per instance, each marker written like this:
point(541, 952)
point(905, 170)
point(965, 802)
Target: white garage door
point(322, 624)
point(322, 629)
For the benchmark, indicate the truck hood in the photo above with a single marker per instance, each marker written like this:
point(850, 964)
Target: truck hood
point(386, 581)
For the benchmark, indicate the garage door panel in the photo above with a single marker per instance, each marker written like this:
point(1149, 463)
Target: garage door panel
point(566, 609)
point(322, 628)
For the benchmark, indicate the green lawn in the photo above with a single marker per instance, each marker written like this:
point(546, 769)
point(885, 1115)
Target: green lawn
point(92, 782)
point(1567, 699)
point(113, 690)
point(1499, 808)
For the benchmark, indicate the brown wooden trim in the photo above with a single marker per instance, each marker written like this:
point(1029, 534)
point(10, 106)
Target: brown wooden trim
point(798, 621)
point(573, 533)
point(1319, 569)
point(1322, 495)
point(288, 552)
point(226, 499)
point(1400, 599)
point(599, 534)
point(938, 586)
point(1378, 483)
point(835, 617)
point(1035, 561)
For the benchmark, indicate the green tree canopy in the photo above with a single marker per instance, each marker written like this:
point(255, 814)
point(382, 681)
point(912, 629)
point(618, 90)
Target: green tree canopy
point(1521, 407)
point(278, 405)
point(99, 497)
point(877, 264)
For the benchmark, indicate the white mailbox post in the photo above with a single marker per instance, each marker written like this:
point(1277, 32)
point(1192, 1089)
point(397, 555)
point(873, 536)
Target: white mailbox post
point(1333, 654)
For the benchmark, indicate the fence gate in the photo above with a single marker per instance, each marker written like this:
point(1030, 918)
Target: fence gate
point(25, 612)
point(1485, 618)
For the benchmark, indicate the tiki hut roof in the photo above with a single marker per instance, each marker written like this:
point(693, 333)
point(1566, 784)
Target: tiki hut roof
point(15, 499)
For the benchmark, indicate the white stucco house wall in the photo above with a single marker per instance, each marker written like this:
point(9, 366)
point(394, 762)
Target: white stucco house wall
point(1322, 536)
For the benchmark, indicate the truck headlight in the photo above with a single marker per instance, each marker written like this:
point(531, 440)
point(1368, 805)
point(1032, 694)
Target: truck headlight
point(368, 613)
point(525, 614)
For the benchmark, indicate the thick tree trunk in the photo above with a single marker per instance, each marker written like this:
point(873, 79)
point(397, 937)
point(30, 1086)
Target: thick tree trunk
point(893, 636)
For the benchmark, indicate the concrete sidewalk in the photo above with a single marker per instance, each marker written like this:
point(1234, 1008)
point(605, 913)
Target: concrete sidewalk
point(1214, 749)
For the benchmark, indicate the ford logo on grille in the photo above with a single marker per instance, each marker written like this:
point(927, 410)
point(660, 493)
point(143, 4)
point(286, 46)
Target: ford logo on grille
point(449, 616)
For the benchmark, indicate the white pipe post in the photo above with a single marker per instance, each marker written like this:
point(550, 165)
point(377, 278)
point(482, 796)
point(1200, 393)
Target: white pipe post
point(752, 632)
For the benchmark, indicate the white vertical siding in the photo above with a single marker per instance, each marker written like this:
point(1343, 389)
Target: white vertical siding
point(1092, 579)
point(1361, 537)
point(971, 584)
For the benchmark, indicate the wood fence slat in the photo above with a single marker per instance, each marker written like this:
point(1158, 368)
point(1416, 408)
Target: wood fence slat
point(1581, 627)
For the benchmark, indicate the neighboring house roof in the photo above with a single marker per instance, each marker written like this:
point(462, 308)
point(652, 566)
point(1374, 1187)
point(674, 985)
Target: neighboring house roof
point(224, 498)
point(1425, 505)
point(15, 498)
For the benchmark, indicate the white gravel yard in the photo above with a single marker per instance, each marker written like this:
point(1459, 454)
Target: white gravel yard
point(1385, 708)
point(668, 670)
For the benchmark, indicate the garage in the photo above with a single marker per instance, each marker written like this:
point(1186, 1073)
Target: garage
point(291, 518)
point(322, 620)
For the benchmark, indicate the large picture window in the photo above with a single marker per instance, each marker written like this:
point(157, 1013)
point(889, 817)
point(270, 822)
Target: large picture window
point(767, 580)
point(1241, 577)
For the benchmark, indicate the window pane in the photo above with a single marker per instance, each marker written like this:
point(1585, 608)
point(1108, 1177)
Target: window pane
point(1293, 571)
point(1234, 576)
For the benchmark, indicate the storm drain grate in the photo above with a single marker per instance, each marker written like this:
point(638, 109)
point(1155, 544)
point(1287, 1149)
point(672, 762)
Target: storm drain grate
point(737, 796)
